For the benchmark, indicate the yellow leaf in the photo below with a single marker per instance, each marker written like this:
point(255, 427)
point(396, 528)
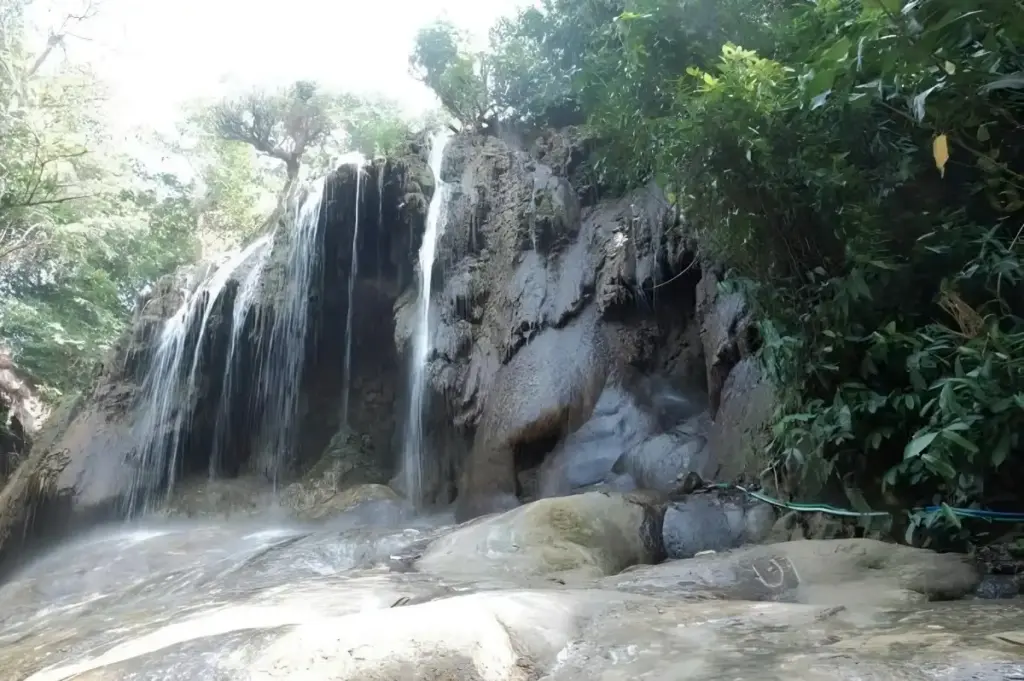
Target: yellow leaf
point(940, 151)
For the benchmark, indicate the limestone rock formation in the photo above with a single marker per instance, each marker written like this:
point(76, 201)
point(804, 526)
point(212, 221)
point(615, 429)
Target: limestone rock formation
point(578, 344)
point(82, 466)
point(742, 399)
point(544, 302)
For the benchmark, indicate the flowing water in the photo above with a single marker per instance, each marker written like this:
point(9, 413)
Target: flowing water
point(353, 272)
point(380, 218)
point(413, 447)
point(137, 589)
point(280, 373)
point(245, 298)
point(267, 599)
point(164, 411)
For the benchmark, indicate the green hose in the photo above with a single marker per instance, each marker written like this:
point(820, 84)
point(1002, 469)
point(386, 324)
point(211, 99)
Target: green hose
point(976, 513)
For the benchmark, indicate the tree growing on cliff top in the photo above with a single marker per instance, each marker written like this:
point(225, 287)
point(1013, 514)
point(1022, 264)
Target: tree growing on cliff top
point(282, 125)
point(442, 60)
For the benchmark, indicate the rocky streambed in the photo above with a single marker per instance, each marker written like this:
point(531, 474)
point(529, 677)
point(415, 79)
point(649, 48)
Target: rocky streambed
point(561, 588)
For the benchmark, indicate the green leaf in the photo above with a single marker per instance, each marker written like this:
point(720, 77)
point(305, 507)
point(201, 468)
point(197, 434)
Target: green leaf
point(958, 439)
point(1002, 449)
point(939, 465)
point(839, 51)
point(918, 445)
point(888, 6)
point(950, 515)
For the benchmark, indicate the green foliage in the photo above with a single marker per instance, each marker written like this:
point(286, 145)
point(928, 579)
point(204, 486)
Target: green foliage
point(374, 126)
point(233, 188)
point(443, 61)
point(79, 235)
point(856, 166)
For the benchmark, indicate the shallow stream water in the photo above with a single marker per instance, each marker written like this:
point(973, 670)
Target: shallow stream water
point(264, 598)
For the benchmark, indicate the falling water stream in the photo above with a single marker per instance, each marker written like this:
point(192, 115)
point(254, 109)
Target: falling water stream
point(245, 298)
point(412, 451)
point(353, 272)
point(380, 217)
point(281, 367)
point(167, 395)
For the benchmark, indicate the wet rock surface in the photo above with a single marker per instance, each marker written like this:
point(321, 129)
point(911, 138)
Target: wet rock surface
point(533, 597)
point(627, 443)
point(708, 522)
point(84, 464)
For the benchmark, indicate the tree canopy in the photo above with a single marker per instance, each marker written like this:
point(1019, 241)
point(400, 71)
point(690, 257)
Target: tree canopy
point(855, 166)
point(84, 226)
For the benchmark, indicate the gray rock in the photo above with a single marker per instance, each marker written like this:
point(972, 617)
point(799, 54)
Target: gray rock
point(704, 522)
point(825, 572)
point(585, 535)
point(998, 586)
point(622, 447)
point(660, 462)
point(587, 456)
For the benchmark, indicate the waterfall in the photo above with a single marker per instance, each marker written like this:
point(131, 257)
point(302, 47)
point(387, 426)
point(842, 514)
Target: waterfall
point(353, 271)
point(167, 395)
point(380, 217)
point(412, 450)
point(280, 374)
point(245, 297)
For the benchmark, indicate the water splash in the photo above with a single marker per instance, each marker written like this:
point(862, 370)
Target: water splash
point(353, 272)
point(246, 296)
point(412, 450)
point(280, 375)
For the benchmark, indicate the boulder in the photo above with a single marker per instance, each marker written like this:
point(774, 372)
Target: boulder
point(648, 443)
point(318, 499)
point(708, 522)
point(586, 535)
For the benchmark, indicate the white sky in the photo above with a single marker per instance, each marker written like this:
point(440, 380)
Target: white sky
point(155, 55)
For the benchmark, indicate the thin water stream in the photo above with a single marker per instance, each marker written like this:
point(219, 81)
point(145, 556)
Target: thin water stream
point(280, 370)
point(245, 300)
point(413, 454)
point(353, 272)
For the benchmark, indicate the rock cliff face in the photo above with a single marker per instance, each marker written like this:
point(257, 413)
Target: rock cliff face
point(577, 344)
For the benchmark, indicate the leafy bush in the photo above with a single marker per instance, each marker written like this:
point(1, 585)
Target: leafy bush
point(856, 164)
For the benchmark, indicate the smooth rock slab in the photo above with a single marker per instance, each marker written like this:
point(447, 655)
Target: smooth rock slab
point(576, 635)
point(831, 572)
